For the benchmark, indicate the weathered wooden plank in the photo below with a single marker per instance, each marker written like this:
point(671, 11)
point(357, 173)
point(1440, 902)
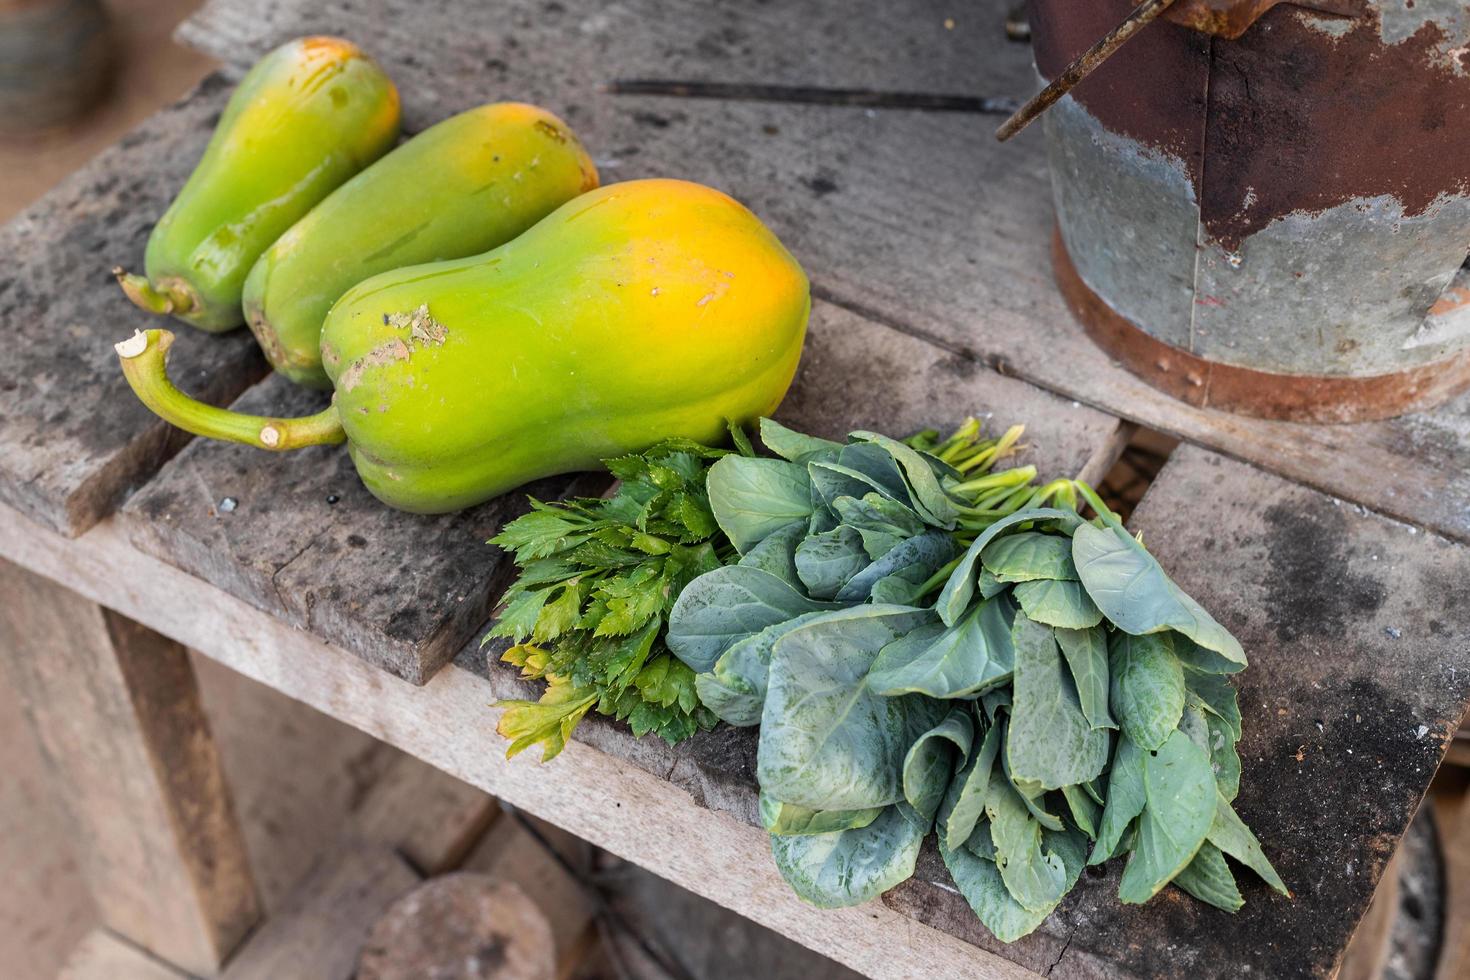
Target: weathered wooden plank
point(320, 930)
point(74, 439)
point(115, 710)
point(918, 219)
point(298, 536)
point(601, 798)
point(103, 956)
point(430, 818)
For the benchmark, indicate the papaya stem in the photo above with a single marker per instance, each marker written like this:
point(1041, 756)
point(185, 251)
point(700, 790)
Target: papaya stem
point(172, 297)
point(144, 359)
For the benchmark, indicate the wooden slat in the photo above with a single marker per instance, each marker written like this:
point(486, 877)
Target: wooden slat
point(103, 956)
point(115, 710)
point(320, 931)
point(302, 539)
point(298, 536)
point(918, 219)
point(430, 818)
point(74, 439)
point(1351, 620)
point(597, 796)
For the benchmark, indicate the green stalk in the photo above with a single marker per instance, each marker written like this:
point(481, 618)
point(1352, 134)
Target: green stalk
point(144, 359)
point(169, 296)
point(994, 481)
point(939, 577)
point(1096, 502)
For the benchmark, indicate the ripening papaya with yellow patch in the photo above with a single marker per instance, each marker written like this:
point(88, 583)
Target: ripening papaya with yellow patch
point(634, 313)
point(461, 187)
point(305, 118)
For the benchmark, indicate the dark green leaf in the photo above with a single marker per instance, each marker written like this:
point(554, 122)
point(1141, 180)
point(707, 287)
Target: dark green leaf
point(850, 867)
point(1030, 555)
point(751, 498)
point(1060, 604)
point(931, 550)
point(1126, 799)
point(1087, 658)
point(1230, 834)
point(726, 605)
point(827, 742)
point(980, 882)
point(1218, 697)
point(777, 553)
point(930, 764)
point(1132, 590)
point(1208, 878)
point(1147, 687)
point(1180, 789)
point(794, 446)
point(964, 801)
point(975, 654)
point(1050, 742)
point(825, 562)
point(960, 587)
point(785, 819)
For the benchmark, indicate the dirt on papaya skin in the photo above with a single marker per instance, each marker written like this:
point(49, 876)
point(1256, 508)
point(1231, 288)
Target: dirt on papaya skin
point(265, 335)
point(423, 331)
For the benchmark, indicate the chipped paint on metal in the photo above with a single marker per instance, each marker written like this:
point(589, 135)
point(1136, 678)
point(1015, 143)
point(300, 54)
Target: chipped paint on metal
point(1336, 292)
point(1292, 203)
point(1128, 215)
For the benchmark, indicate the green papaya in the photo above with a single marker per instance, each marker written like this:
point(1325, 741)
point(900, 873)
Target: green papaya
point(305, 118)
point(463, 186)
point(633, 313)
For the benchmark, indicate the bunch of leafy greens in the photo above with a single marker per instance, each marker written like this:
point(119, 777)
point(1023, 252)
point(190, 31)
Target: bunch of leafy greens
point(598, 576)
point(1029, 684)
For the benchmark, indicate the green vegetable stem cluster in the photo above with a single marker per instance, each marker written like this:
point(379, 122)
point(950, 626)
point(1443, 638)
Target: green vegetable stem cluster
point(927, 650)
point(599, 576)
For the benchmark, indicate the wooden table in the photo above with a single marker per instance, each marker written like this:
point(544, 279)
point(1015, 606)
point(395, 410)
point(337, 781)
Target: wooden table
point(1339, 555)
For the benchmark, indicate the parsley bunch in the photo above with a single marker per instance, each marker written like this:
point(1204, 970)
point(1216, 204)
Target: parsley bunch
point(598, 579)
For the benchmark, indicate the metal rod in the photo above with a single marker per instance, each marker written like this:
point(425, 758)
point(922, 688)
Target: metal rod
point(1142, 15)
point(812, 95)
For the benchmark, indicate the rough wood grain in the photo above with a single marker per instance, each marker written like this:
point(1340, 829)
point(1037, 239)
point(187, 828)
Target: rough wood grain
point(462, 926)
point(920, 220)
point(430, 818)
point(298, 536)
point(1368, 952)
point(74, 439)
point(101, 955)
point(115, 710)
point(320, 930)
point(601, 798)
point(1452, 813)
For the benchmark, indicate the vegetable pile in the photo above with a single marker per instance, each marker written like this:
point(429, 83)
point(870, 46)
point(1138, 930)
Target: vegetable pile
point(598, 577)
point(926, 647)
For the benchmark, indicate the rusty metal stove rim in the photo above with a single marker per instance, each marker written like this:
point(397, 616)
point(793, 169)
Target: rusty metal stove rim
point(1201, 383)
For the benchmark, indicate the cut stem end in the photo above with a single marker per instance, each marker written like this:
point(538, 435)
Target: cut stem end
point(144, 360)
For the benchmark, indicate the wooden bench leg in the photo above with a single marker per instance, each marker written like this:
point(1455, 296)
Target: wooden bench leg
point(116, 711)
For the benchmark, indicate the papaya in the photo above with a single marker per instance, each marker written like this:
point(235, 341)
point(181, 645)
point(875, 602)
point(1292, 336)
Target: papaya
point(304, 119)
point(634, 313)
point(465, 185)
